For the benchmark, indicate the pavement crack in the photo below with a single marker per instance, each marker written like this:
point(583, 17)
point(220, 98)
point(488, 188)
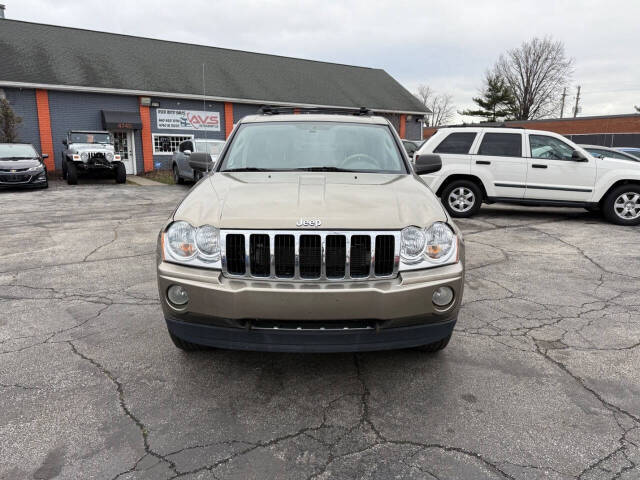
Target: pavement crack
point(125, 408)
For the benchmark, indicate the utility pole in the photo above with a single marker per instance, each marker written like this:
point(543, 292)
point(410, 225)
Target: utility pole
point(575, 110)
point(564, 95)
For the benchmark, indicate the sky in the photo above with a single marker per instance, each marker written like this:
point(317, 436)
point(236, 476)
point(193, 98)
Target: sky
point(447, 45)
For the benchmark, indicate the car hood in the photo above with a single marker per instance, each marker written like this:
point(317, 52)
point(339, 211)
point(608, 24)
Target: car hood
point(278, 200)
point(18, 164)
point(91, 147)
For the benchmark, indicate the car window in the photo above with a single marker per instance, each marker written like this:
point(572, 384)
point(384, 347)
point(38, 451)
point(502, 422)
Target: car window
point(89, 137)
point(458, 142)
point(314, 145)
point(609, 153)
point(595, 152)
point(410, 147)
point(212, 148)
point(8, 150)
point(501, 145)
point(187, 145)
point(543, 146)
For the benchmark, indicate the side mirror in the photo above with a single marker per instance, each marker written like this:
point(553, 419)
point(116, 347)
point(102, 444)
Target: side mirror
point(424, 164)
point(45, 155)
point(577, 156)
point(187, 152)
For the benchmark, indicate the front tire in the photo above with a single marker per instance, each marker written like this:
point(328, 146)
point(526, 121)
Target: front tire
point(177, 179)
point(120, 173)
point(72, 173)
point(184, 345)
point(435, 346)
point(622, 205)
point(462, 198)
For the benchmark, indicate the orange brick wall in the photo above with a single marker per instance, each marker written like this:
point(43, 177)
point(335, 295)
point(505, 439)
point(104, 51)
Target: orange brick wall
point(403, 126)
point(44, 125)
point(228, 119)
point(147, 141)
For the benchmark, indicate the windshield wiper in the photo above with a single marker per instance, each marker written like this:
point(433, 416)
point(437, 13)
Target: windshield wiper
point(323, 169)
point(246, 169)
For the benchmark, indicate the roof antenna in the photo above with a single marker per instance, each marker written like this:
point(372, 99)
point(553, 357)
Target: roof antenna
point(204, 100)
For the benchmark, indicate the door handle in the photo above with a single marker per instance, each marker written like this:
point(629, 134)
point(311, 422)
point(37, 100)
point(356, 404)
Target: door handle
point(538, 165)
point(483, 162)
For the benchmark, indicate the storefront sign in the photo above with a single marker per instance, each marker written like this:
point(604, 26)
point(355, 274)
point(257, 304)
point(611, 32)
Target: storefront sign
point(188, 120)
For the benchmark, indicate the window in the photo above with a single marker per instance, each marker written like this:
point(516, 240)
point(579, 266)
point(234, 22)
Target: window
point(550, 148)
point(18, 150)
point(212, 148)
point(167, 144)
point(596, 152)
point(501, 145)
point(314, 145)
point(459, 142)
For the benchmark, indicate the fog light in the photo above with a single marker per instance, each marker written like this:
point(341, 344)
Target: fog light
point(443, 296)
point(177, 295)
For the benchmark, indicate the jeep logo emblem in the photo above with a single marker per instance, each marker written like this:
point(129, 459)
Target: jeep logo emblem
point(308, 223)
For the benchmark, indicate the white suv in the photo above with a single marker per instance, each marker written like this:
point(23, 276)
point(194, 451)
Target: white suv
point(529, 167)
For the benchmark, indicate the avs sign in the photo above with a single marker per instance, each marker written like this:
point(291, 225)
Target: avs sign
point(188, 120)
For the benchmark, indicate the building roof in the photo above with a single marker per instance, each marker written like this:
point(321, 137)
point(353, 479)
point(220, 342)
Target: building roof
point(38, 54)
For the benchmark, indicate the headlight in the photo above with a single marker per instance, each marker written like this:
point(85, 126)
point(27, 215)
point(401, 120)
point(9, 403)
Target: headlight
point(84, 156)
point(208, 241)
point(412, 244)
point(109, 156)
point(37, 168)
point(429, 247)
point(193, 246)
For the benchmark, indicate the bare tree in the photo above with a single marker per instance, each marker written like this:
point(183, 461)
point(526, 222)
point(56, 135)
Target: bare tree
point(536, 72)
point(9, 122)
point(440, 105)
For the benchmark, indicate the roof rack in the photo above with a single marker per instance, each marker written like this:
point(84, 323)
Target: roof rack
point(481, 125)
point(275, 110)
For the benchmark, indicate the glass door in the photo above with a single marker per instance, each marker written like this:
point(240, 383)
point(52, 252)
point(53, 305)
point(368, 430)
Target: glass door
point(123, 143)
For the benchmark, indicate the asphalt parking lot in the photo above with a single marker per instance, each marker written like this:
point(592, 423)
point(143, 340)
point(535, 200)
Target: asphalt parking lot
point(541, 379)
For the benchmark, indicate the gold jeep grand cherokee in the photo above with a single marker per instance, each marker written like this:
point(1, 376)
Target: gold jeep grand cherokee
point(313, 233)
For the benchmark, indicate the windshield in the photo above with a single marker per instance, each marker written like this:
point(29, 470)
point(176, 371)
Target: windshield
point(320, 146)
point(212, 148)
point(8, 150)
point(75, 137)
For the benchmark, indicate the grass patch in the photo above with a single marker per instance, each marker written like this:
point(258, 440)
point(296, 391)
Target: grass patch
point(162, 176)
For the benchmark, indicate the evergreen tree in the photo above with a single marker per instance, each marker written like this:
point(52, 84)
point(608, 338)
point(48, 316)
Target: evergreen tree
point(496, 100)
point(9, 122)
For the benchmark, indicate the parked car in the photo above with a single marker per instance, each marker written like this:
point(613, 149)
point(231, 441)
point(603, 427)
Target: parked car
point(22, 166)
point(411, 146)
point(599, 151)
point(529, 167)
point(180, 166)
point(635, 151)
point(312, 233)
point(90, 151)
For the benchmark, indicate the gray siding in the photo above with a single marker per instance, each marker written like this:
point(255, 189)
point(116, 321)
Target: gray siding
point(241, 110)
point(23, 102)
point(164, 161)
point(82, 111)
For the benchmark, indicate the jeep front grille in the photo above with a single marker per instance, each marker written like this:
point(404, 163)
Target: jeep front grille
point(310, 255)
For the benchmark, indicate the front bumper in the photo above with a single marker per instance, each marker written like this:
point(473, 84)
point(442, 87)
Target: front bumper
point(290, 316)
point(23, 179)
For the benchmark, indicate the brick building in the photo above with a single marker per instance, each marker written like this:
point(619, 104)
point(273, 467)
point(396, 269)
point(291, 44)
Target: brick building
point(610, 130)
point(153, 94)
